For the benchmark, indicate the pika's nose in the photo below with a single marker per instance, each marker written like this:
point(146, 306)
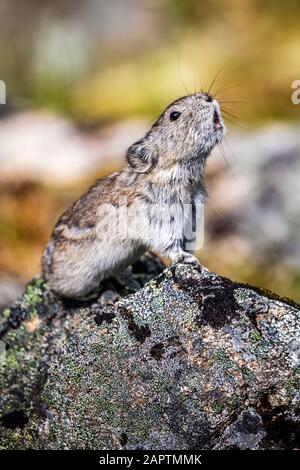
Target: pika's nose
point(208, 97)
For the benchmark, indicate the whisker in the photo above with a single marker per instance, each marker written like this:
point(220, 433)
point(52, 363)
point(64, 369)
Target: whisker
point(234, 123)
point(229, 148)
point(195, 83)
point(232, 118)
point(235, 175)
point(222, 90)
point(230, 114)
point(214, 80)
point(200, 81)
point(231, 101)
point(229, 119)
point(180, 75)
point(224, 155)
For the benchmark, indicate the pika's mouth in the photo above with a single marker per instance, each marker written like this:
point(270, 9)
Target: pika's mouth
point(218, 126)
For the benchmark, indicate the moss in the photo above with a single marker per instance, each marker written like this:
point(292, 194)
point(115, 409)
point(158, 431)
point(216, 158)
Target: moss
point(245, 322)
point(6, 313)
point(32, 296)
point(12, 362)
point(241, 294)
point(254, 336)
point(248, 376)
point(292, 387)
point(95, 348)
point(222, 358)
point(260, 348)
point(217, 406)
point(16, 440)
point(234, 402)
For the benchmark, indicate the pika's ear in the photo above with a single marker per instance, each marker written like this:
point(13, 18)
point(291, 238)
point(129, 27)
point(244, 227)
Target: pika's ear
point(142, 156)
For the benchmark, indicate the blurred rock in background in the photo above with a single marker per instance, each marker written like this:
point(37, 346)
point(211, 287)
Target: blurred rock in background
point(46, 148)
point(85, 79)
point(10, 290)
point(253, 214)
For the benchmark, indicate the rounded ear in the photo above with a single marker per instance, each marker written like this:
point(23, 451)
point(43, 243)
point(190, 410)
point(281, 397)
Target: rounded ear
point(142, 156)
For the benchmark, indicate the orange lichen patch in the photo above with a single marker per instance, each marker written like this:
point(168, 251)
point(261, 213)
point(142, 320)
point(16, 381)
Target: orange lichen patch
point(32, 325)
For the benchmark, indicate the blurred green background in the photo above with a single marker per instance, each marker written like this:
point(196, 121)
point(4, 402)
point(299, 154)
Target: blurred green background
point(92, 65)
point(100, 60)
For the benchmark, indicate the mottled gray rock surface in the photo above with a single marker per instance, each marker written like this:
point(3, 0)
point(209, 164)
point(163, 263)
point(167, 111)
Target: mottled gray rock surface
point(191, 360)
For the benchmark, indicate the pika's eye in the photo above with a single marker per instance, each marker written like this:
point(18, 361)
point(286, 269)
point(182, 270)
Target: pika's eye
point(174, 115)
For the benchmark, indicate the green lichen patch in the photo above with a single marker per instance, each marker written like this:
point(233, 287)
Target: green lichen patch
point(223, 359)
point(234, 402)
point(254, 336)
point(292, 386)
point(33, 296)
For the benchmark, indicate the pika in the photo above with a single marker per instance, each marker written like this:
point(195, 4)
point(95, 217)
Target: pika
point(162, 180)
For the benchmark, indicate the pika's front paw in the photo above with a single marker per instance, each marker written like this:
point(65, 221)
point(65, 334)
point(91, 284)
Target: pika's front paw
point(188, 258)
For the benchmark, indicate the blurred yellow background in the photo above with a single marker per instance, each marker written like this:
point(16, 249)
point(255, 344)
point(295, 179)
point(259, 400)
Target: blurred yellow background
point(85, 79)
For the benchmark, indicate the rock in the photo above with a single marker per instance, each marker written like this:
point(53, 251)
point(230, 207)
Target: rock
point(179, 359)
